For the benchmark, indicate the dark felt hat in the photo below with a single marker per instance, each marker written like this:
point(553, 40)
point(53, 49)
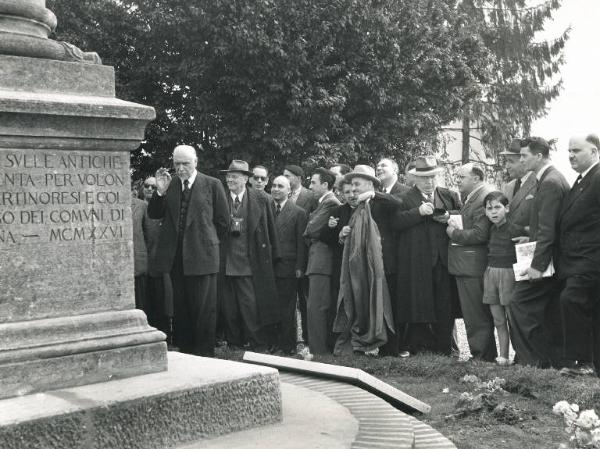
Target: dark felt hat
point(514, 149)
point(295, 169)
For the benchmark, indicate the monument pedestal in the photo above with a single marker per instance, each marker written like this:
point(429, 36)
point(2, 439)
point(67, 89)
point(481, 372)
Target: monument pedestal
point(196, 398)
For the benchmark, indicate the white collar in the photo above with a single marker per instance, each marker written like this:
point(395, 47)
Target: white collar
point(239, 195)
point(588, 170)
point(542, 170)
point(389, 188)
point(190, 180)
point(282, 204)
point(329, 192)
point(525, 177)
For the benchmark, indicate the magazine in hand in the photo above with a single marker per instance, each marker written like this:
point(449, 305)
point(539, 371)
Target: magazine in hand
point(524, 258)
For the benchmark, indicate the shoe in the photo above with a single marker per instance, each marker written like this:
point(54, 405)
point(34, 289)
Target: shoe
point(404, 354)
point(372, 352)
point(503, 361)
point(578, 370)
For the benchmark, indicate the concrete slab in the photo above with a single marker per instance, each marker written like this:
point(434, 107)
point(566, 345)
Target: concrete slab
point(196, 398)
point(357, 377)
point(310, 420)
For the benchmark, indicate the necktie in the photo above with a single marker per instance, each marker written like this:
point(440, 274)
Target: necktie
point(517, 186)
point(186, 185)
point(578, 180)
point(278, 210)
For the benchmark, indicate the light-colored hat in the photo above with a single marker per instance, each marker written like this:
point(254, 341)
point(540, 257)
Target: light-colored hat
point(363, 171)
point(514, 148)
point(426, 166)
point(238, 166)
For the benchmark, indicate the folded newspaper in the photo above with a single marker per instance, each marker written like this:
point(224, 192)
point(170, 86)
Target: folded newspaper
point(524, 258)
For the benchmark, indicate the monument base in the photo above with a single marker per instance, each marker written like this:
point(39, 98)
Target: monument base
point(196, 398)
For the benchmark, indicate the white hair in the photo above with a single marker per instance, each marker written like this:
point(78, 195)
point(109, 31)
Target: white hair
point(185, 150)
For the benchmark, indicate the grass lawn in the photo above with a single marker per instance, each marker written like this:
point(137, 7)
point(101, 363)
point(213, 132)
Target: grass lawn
point(523, 420)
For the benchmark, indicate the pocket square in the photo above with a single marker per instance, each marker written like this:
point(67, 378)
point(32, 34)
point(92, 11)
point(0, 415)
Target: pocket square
point(529, 197)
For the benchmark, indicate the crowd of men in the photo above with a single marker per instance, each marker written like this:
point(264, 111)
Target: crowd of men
point(375, 266)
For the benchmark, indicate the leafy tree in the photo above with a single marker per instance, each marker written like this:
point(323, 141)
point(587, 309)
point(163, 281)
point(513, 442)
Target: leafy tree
point(523, 71)
point(276, 81)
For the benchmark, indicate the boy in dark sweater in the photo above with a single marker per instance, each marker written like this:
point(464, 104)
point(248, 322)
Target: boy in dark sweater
point(499, 279)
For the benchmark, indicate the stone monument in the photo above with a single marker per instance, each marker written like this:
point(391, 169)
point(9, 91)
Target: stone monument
point(67, 312)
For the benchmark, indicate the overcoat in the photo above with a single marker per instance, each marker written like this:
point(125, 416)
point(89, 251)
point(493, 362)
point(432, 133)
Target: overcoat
point(206, 222)
point(263, 252)
point(520, 203)
point(422, 242)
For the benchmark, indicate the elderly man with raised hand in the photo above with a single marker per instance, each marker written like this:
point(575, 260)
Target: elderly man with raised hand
point(533, 311)
point(364, 310)
point(194, 214)
point(320, 263)
point(578, 262)
point(387, 173)
point(467, 260)
point(520, 191)
point(425, 289)
point(249, 251)
point(290, 221)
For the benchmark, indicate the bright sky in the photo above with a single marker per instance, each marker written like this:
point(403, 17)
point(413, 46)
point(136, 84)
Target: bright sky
point(576, 110)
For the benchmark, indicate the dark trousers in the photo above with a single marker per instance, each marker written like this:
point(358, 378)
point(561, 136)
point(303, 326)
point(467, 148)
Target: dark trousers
point(159, 302)
point(286, 289)
point(195, 311)
point(479, 323)
point(391, 348)
point(319, 303)
point(435, 336)
point(580, 306)
point(302, 291)
point(240, 313)
point(532, 318)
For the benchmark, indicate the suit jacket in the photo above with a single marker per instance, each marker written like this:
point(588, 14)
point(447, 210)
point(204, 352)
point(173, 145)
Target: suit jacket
point(579, 228)
point(290, 225)
point(552, 188)
point(306, 200)
point(468, 255)
point(399, 189)
point(263, 252)
point(140, 251)
point(520, 203)
point(207, 221)
point(320, 254)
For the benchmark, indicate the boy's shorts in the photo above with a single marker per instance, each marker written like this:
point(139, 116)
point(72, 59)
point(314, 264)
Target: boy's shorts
point(498, 285)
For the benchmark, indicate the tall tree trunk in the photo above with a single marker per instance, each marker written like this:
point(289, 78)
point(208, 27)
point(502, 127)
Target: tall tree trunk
point(466, 136)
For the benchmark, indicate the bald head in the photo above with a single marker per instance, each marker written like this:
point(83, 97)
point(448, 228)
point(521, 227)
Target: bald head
point(470, 176)
point(280, 189)
point(583, 152)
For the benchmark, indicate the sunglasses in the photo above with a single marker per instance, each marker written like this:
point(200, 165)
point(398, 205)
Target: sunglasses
point(150, 186)
point(260, 178)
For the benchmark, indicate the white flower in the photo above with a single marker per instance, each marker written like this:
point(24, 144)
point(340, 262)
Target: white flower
point(470, 378)
point(560, 407)
point(446, 390)
point(588, 420)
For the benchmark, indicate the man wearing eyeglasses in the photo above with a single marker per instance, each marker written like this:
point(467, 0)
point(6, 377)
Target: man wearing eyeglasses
point(259, 178)
point(149, 188)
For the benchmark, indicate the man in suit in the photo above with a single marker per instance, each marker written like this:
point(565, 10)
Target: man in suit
point(467, 260)
point(520, 191)
point(259, 178)
point(249, 251)
point(425, 288)
point(300, 196)
point(578, 262)
point(533, 309)
point(387, 172)
point(320, 258)
point(194, 214)
point(290, 222)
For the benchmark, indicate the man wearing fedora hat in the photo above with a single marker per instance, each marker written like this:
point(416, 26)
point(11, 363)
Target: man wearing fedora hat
point(248, 291)
point(425, 288)
point(194, 214)
point(371, 330)
point(521, 190)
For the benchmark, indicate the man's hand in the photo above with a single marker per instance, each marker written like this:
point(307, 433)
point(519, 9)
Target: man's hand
point(519, 240)
point(333, 221)
point(532, 273)
point(366, 196)
point(442, 218)
point(449, 230)
point(426, 209)
point(345, 232)
point(298, 274)
point(163, 179)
